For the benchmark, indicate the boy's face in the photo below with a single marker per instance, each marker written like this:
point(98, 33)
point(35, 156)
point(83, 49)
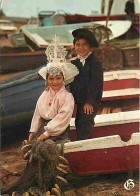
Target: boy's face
point(55, 82)
point(82, 47)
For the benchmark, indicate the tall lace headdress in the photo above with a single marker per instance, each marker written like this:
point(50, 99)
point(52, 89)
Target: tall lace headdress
point(56, 56)
point(55, 52)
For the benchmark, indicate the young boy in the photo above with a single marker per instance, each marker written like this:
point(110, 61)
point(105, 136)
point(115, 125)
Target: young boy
point(88, 84)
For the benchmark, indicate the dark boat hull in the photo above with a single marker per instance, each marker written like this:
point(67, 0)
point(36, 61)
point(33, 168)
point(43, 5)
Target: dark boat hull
point(19, 100)
point(20, 93)
point(22, 61)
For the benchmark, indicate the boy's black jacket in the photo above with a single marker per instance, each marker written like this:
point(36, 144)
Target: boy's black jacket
point(88, 84)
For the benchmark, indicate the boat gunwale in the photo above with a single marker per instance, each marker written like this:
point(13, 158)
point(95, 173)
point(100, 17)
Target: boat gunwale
point(101, 143)
point(113, 75)
point(114, 118)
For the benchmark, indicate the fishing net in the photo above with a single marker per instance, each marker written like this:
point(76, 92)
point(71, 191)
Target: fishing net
point(45, 171)
point(111, 57)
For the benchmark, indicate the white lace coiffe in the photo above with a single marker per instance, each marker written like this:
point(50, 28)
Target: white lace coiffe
point(56, 55)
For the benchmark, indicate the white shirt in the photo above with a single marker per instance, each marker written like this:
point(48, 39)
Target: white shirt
point(57, 106)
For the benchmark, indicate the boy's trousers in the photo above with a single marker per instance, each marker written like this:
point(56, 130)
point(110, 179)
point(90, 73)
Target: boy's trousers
point(84, 123)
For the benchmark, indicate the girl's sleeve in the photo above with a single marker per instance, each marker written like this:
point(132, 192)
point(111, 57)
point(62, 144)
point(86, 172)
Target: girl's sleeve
point(36, 120)
point(61, 121)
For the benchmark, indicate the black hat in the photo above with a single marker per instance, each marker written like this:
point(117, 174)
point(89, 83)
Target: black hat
point(87, 35)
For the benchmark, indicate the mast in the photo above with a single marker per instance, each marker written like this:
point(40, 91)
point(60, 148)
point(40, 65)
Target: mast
point(109, 11)
point(103, 7)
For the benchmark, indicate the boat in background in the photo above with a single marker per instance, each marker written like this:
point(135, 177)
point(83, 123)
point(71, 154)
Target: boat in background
point(31, 58)
point(14, 59)
point(22, 61)
point(17, 40)
point(58, 18)
point(125, 56)
point(7, 27)
point(41, 37)
point(77, 18)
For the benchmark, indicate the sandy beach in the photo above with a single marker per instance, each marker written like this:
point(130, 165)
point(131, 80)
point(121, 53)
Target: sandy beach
point(12, 166)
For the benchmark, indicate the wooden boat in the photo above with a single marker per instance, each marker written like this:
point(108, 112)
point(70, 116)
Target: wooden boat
point(115, 143)
point(42, 36)
point(7, 27)
point(59, 18)
point(114, 147)
point(16, 59)
point(77, 18)
point(116, 138)
point(22, 58)
point(22, 61)
point(103, 155)
point(121, 84)
point(28, 86)
point(17, 39)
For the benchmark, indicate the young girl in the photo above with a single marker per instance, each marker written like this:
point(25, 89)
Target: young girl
point(88, 84)
point(55, 106)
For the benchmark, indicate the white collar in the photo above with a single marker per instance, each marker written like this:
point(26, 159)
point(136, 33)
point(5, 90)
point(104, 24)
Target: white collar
point(82, 59)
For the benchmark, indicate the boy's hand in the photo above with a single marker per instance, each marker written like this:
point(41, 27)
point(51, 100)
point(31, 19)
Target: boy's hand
point(88, 108)
point(31, 135)
point(41, 137)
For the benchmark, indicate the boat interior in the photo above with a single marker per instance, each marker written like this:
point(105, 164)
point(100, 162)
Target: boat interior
point(114, 117)
point(115, 106)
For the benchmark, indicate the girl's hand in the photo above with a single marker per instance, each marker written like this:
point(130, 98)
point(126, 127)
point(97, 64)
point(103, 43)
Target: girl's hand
point(41, 137)
point(88, 108)
point(31, 135)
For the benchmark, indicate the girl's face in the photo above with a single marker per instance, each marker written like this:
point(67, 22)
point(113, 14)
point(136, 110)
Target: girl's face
point(82, 47)
point(55, 82)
